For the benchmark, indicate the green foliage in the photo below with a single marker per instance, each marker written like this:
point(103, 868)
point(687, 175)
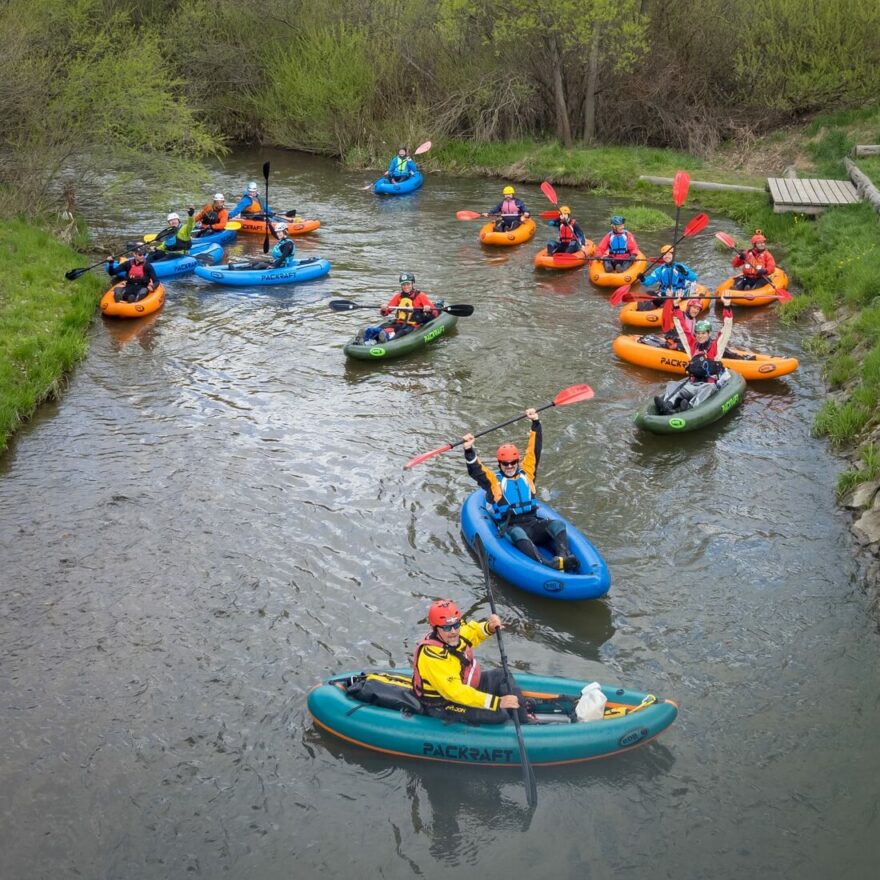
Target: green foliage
point(642, 219)
point(43, 319)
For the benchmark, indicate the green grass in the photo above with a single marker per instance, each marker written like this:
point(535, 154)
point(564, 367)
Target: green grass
point(871, 166)
point(43, 319)
point(870, 457)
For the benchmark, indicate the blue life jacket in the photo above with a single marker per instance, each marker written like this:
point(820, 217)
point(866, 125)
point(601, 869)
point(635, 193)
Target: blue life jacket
point(516, 497)
point(278, 253)
point(618, 244)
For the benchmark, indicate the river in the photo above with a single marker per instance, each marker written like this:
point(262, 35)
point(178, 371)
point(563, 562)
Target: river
point(215, 516)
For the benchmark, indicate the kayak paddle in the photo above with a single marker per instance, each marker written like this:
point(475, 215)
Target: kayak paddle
point(572, 394)
point(782, 295)
point(346, 305)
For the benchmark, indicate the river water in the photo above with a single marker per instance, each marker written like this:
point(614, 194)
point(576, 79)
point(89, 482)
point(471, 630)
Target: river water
point(215, 517)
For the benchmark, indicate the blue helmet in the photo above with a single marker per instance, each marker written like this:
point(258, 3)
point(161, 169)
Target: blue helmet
point(617, 220)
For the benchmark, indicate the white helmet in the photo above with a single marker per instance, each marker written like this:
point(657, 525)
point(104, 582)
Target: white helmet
point(252, 187)
point(219, 197)
point(173, 216)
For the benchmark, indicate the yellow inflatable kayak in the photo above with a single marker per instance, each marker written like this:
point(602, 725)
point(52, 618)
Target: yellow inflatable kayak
point(523, 233)
point(601, 278)
point(653, 318)
point(152, 302)
point(778, 278)
point(651, 351)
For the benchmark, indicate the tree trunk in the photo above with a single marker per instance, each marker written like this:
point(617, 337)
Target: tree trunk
point(590, 97)
point(563, 128)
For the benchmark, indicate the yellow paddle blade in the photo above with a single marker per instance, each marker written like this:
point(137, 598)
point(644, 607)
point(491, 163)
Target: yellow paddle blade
point(233, 226)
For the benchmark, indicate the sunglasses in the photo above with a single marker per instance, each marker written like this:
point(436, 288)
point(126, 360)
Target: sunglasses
point(449, 627)
point(513, 463)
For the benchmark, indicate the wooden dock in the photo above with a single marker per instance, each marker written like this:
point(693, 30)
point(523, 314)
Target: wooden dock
point(808, 196)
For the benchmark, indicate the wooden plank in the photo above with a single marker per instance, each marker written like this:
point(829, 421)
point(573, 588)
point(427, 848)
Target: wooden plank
point(703, 184)
point(866, 150)
point(847, 191)
point(828, 192)
point(864, 184)
point(803, 192)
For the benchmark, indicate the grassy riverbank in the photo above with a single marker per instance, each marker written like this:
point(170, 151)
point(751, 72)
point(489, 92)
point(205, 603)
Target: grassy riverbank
point(43, 319)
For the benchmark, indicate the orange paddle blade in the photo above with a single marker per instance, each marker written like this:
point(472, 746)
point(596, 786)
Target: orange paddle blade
point(422, 148)
point(573, 394)
point(426, 455)
point(619, 294)
point(697, 224)
point(726, 239)
point(467, 215)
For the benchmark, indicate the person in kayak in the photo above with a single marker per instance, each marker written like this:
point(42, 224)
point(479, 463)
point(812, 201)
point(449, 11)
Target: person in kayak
point(757, 264)
point(704, 369)
point(571, 236)
point(618, 249)
point(401, 167)
point(213, 217)
point(251, 204)
point(510, 499)
point(447, 678)
point(672, 279)
point(686, 316)
point(140, 277)
point(411, 309)
point(510, 211)
point(176, 240)
point(282, 255)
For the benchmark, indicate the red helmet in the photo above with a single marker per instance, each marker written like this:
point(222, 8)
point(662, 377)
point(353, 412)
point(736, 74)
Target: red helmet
point(443, 611)
point(507, 453)
point(758, 238)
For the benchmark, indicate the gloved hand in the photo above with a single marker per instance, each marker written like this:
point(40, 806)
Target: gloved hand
point(641, 276)
point(681, 270)
point(190, 211)
point(741, 254)
point(762, 271)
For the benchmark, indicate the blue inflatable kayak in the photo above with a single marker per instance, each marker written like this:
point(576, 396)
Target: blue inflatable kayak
point(304, 270)
point(631, 719)
point(591, 581)
point(175, 267)
point(224, 236)
point(385, 187)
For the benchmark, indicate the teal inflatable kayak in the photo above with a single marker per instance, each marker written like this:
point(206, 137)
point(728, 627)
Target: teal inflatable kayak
point(401, 345)
point(693, 406)
point(631, 719)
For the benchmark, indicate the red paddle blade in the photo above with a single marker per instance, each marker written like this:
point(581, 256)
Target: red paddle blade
point(573, 394)
point(422, 148)
point(726, 239)
point(549, 215)
point(697, 224)
point(619, 294)
point(426, 455)
point(548, 191)
point(783, 295)
point(467, 215)
point(680, 185)
point(666, 323)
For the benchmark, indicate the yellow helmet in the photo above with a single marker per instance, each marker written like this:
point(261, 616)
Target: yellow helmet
point(565, 210)
point(508, 191)
point(666, 249)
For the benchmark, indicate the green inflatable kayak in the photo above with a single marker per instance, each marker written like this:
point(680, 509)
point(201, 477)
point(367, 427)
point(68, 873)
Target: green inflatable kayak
point(401, 345)
point(694, 406)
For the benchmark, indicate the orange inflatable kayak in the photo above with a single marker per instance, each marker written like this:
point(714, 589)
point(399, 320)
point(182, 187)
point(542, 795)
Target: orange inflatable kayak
point(294, 227)
point(152, 302)
point(778, 278)
point(653, 318)
point(651, 351)
point(575, 260)
point(601, 278)
point(523, 233)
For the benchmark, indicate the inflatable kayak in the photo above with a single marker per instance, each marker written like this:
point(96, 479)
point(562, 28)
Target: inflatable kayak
point(224, 236)
point(601, 278)
point(384, 187)
point(523, 233)
point(575, 260)
point(294, 227)
point(401, 345)
point(778, 278)
point(651, 351)
point(304, 270)
point(591, 581)
point(175, 267)
point(632, 316)
point(710, 403)
point(152, 302)
point(631, 719)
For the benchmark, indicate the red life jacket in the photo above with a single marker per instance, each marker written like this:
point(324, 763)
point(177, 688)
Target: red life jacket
point(137, 271)
point(566, 233)
point(470, 668)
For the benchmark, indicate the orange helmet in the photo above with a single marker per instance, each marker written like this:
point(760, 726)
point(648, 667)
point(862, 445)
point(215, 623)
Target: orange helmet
point(507, 454)
point(666, 249)
point(442, 612)
point(758, 238)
